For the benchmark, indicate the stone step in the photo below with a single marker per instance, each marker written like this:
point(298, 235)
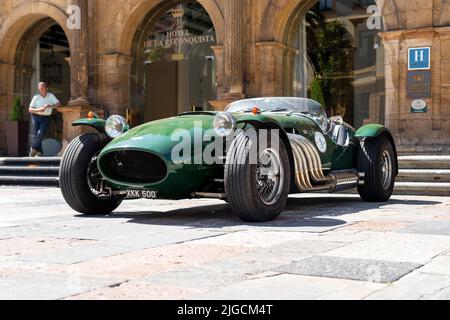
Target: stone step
point(424, 162)
point(28, 181)
point(29, 171)
point(422, 188)
point(30, 161)
point(424, 175)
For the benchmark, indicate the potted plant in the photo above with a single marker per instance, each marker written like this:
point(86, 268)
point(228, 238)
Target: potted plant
point(17, 131)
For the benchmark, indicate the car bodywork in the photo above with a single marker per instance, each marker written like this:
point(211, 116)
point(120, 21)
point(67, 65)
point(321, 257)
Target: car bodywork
point(141, 158)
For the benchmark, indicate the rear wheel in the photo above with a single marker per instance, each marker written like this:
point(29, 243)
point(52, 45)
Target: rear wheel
point(82, 186)
point(257, 190)
point(376, 159)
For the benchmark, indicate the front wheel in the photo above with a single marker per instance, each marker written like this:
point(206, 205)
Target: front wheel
point(257, 180)
point(376, 159)
point(81, 184)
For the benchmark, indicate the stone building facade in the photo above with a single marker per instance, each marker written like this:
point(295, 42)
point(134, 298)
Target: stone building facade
point(254, 51)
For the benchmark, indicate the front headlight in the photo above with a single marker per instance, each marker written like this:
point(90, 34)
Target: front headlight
point(224, 124)
point(115, 126)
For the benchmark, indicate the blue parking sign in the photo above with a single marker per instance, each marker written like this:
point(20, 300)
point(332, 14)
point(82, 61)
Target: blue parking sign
point(419, 58)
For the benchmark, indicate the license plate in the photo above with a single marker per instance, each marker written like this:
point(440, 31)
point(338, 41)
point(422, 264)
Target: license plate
point(142, 194)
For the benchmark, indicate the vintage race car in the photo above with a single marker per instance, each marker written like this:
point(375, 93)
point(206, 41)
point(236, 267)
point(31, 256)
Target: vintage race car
point(252, 155)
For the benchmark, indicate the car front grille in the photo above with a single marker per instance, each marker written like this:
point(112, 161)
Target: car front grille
point(135, 167)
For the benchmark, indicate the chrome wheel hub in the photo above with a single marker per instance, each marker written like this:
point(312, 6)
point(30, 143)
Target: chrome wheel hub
point(96, 182)
point(386, 170)
point(269, 176)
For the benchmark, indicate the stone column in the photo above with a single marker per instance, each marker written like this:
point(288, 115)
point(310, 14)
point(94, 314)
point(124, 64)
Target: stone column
point(79, 62)
point(271, 57)
point(233, 49)
point(392, 82)
point(78, 106)
point(221, 81)
point(115, 82)
point(6, 98)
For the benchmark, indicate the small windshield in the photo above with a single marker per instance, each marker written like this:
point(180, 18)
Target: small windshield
point(293, 106)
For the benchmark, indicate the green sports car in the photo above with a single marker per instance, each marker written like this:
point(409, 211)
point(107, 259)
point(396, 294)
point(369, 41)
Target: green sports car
point(252, 155)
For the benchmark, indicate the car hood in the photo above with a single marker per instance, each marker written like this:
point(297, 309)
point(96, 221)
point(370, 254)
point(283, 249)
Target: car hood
point(162, 135)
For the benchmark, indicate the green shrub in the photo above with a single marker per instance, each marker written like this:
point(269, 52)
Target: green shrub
point(17, 111)
point(317, 92)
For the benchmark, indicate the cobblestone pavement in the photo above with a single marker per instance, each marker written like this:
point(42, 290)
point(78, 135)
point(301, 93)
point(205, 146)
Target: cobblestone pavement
point(322, 247)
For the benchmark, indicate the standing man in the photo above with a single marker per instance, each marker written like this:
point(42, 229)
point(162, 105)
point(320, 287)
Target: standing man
point(41, 108)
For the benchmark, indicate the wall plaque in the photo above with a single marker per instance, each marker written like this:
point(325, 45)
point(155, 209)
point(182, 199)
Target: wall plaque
point(418, 84)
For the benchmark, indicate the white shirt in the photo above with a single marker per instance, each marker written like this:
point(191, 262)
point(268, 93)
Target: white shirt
point(40, 101)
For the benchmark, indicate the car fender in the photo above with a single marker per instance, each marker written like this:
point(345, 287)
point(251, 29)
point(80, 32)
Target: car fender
point(378, 130)
point(97, 124)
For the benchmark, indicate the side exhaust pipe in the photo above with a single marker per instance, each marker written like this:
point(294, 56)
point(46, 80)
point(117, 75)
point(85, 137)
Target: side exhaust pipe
point(309, 175)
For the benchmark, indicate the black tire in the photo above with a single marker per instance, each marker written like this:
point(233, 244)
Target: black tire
point(371, 156)
point(241, 181)
point(73, 177)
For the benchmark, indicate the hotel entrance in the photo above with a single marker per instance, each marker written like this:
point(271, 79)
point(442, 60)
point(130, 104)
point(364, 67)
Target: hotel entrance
point(175, 68)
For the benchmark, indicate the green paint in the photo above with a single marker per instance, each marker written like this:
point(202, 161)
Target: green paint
point(371, 131)
point(98, 124)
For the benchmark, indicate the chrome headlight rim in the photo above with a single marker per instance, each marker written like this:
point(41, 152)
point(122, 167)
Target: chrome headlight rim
point(115, 126)
point(224, 124)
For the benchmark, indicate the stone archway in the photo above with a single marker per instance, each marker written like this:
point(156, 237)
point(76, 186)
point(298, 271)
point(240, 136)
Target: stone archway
point(275, 35)
point(128, 22)
point(19, 22)
point(21, 30)
point(127, 31)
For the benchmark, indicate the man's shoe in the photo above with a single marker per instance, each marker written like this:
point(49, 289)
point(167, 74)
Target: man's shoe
point(33, 153)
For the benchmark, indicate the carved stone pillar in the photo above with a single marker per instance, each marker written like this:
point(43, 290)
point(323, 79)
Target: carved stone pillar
point(271, 56)
point(233, 49)
point(79, 62)
point(115, 82)
point(392, 81)
point(6, 98)
point(221, 81)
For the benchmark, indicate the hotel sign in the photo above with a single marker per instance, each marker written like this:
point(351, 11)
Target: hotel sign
point(176, 35)
point(419, 58)
point(179, 37)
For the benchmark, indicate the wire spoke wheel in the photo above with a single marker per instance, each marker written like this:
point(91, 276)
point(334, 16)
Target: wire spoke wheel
point(95, 180)
point(386, 170)
point(269, 176)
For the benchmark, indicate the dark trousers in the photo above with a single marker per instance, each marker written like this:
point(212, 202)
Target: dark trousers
point(41, 126)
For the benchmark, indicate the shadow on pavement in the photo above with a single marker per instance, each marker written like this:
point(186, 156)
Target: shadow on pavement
point(311, 212)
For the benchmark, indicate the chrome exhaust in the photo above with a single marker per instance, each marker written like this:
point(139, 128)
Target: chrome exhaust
point(309, 176)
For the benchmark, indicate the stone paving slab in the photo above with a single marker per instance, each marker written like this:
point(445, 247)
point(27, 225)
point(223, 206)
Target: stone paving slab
point(49, 286)
point(74, 255)
point(294, 287)
point(144, 263)
point(352, 269)
point(252, 239)
point(293, 250)
point(136, 290)
point(440, 265)
point(416, 286)
point(430, 227)
point(397, 247)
